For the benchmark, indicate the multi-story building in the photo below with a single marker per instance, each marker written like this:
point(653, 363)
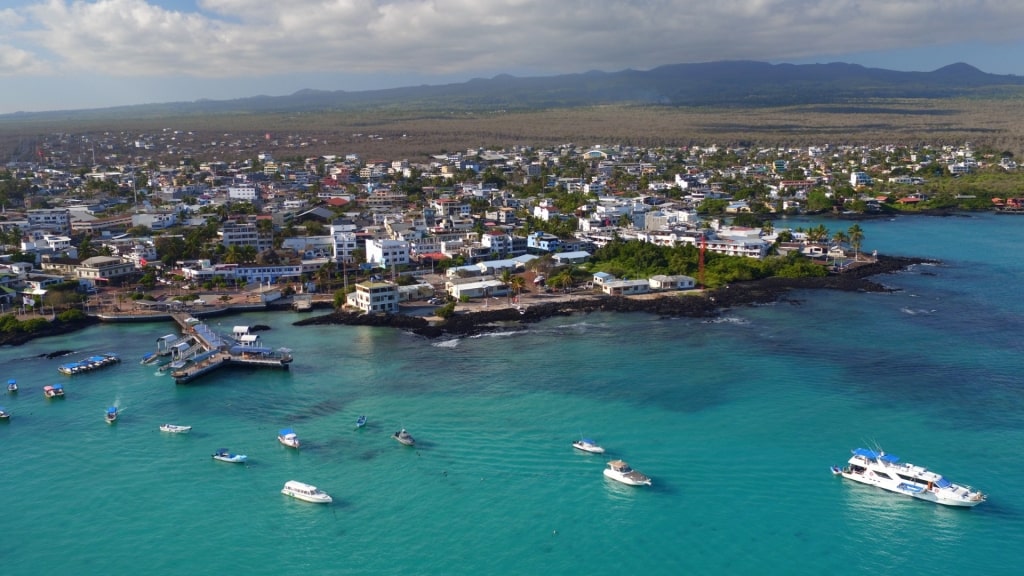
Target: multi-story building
point(387, 253)
point(375, 297)
point(53, 219)
point(245, 235)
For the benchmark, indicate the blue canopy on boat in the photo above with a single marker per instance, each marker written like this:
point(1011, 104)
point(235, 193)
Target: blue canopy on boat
point(96, 358)
point(286, 431)
point(587, 441)
point(112, 410)
point(871, 454)
point(11, 381)
point(943, 483)
point(58, 386)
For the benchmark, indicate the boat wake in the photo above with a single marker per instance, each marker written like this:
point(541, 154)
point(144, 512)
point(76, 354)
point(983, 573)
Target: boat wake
point(727, 320)
point(915, 312)
point(447, 343)
point(498, 334)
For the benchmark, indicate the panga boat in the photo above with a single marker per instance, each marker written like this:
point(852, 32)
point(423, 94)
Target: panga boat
point(288, 437)
point(55, 391)
point(621, 472)
point(224, 455)
point(588, 445)
point(886, 472)
point(174, 428)
point(404, 437)
point(306, 492)
point(111, 415)
point(4, 414)
point(12, 386)
point(361, 421)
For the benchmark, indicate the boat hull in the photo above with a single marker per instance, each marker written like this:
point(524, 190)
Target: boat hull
point(232, 459)
point(912, 490)
point(317, 497)
point(591, 448)
point(173, 429)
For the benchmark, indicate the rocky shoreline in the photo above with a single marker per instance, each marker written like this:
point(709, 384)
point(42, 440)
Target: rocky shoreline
point(707, 305)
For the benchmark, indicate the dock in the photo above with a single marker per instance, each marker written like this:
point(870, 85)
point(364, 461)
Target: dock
point(212, 351)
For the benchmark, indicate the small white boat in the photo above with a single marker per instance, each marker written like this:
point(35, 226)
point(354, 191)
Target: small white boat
point(588, 445)
point(619, 471)
point(224, 455)
point(12, 386)
point(876, 468)
point(111, 415)
point(175, 429)
point(5, 416)
point(404, 437)
point(289, 438)
point(306, 492)
point(361, 421)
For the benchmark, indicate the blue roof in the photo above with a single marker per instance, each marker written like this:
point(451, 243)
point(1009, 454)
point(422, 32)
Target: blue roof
point(58, 386)
point(588, 441)
point(871, 454)
point(286, 431)
point(112, 410)
point(11, 381)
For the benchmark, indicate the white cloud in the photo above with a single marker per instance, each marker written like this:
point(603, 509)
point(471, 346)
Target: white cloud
point(237, 38)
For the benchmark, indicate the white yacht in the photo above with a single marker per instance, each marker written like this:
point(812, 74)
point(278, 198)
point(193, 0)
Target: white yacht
point(289, 438)
point(620, 471)
point(175, 429)
point(588, 445)
point(306, 492)
point(885, 471)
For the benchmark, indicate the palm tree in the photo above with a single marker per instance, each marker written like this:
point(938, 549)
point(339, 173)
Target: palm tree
point(856, 238)
point(517, 283)
point(506, 279)
point(840, 237)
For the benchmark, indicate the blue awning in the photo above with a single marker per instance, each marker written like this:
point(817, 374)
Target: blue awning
point(286, 432)
point(112, 410)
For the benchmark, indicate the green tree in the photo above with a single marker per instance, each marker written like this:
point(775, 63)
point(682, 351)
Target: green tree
point(856, 236)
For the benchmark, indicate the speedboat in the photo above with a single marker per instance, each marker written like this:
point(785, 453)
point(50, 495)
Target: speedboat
point(306, 492)
point(288, 437)
point(404, 437)
point(361, 421)
point(55, 391)
point(620, 471)
point(5, 416)
point(225, 455)
point(111, 415)
point(175, 429)
point(876, 468)
point(588, 445)
point(12, 386)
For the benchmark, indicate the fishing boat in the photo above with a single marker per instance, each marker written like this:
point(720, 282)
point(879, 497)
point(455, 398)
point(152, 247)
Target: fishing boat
point(111, 415)
point(55, 391)
point(876, 468)
point(175, 429)
point(12, 386)
point(619, 471)
point(307, 492)
point(361, 421)
point(588, 445)
point(404, 437)
point(289, 438)
point(225, 455)
point(88, 364)
point(5, 416)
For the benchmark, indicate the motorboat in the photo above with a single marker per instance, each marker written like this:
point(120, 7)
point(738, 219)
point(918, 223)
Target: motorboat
point(225, 455)
point(877, 468)
point(619, 471)
point(306, 492)
point(87, 364)
point(361, 421)
point(588, 445)
point(174, 428)
point(111, 415)
point(288, 437)
point(404, 437)
point(12, 386)
point(55, 391)
point(5, 416)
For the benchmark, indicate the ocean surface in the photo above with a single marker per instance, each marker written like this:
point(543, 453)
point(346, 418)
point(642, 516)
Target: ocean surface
point(736, 420)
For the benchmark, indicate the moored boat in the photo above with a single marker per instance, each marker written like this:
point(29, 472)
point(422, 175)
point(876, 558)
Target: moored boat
point(111, 415)
point(12, 386)
point(55, 391)
point(87, 364)
point(174, 428)
point(876, 468)
point(404, 437)
point(361, 421)
point(225, 455)
point(307, 492)
point(588, 445)
point(289, 438)
point(620, 471)
point(5, 416)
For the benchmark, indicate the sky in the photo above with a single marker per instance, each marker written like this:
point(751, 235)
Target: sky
point(83, 54)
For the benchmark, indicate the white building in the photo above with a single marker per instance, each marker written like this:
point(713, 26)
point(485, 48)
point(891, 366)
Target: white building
point(375, 297)
point(242, 192)
point(386, 253)
point(245, 235)
point(53, 219)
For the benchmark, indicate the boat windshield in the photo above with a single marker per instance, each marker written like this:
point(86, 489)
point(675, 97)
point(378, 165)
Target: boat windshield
point(943, 483)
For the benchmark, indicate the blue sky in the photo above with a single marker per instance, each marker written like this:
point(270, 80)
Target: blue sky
point(77, 54)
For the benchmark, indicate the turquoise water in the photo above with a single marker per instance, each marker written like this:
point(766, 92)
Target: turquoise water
point(736, 421)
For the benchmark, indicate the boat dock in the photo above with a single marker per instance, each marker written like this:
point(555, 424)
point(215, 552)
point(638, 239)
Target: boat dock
point(212, 351)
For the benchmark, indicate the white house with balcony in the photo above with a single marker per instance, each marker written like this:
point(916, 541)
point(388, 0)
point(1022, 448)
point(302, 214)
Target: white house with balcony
point(385, 253)
point(373, 297)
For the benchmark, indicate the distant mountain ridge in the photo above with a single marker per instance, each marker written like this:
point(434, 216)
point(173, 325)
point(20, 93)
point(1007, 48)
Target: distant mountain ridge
point(724, 83)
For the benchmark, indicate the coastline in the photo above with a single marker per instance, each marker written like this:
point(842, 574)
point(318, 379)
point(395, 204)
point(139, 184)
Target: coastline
point(675, 304)
point(694, 304)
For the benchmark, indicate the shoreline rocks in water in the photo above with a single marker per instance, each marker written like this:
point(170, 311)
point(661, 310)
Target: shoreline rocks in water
point(707, 305)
